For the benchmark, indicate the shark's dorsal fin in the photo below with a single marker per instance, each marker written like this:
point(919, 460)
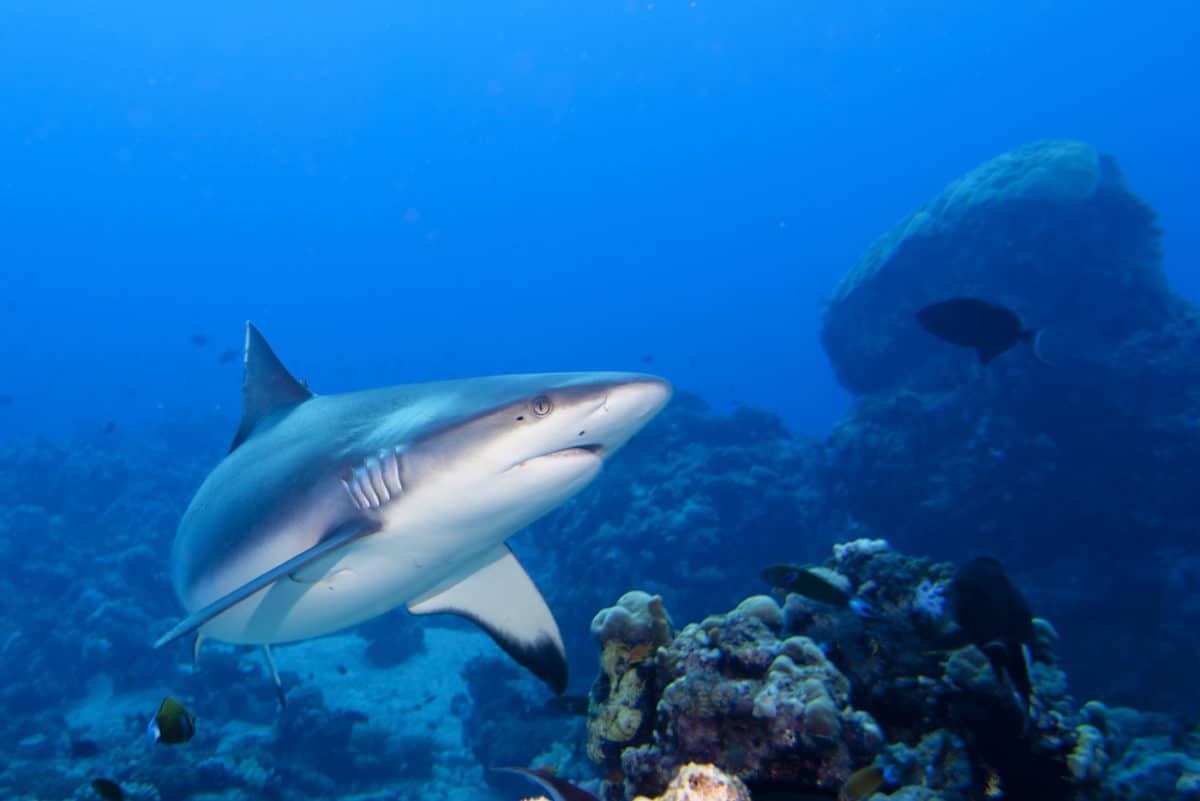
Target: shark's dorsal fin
point(267, 386)
point(500, 598)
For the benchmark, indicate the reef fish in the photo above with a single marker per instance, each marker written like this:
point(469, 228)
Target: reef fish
point(173, 724)
point(987, 328)
point(810, 583)
point(993, 614)
point(862, 783)
point(331, 509)
point(558, 789)
point(108, 790)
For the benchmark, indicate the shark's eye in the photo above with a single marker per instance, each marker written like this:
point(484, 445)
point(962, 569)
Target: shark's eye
point(542, 406)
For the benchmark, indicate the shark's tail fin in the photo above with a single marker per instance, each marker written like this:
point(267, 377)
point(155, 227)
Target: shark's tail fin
point(1034, 337)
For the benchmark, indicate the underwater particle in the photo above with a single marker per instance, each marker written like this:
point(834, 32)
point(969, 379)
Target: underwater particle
point(987, 328)
point(227, 356)
point(996, 618)
point(818, 584)
point(108, 790)
point(558, 789)
point(173, 724)
point(199, 340)
point(6, 400)
point(862, 783)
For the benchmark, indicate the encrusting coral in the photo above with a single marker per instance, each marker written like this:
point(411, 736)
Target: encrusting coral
point(731, 691)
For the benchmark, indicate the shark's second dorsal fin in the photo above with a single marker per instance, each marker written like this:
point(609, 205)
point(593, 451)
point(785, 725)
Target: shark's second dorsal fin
point(267, 386)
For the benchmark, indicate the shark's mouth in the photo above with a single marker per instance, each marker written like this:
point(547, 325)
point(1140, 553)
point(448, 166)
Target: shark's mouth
point(590, 450)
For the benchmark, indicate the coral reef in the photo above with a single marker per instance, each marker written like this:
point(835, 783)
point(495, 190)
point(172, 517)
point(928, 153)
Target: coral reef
point(702, 783)
point(793, 699)
point(732, 691)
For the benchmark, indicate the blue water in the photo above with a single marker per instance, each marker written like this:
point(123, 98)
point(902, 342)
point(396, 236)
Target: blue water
point(402, 192)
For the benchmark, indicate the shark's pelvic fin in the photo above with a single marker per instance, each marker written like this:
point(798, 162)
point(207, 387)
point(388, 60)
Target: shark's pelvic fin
point(275, 677)
point(340, 537)
point(500, 598)
point(267, 386)
point(196, 643)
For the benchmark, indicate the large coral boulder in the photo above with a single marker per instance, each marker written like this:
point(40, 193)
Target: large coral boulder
point(1049, 229)
point(736, 692)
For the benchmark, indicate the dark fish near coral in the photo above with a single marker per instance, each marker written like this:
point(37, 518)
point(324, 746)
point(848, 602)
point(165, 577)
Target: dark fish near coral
point(972, 323)
point(805, 581)
point(558, 789)
point(108, 790)
point(227, 356)
point(84, 749)
point(199, 340)
point(996, 618)
point(571, 705)
point(173, 724)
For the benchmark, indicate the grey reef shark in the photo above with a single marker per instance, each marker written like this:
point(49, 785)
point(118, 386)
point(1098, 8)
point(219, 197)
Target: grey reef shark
point(331, 509)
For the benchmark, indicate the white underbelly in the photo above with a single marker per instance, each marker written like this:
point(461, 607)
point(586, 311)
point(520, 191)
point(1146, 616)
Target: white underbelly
point(385, 570)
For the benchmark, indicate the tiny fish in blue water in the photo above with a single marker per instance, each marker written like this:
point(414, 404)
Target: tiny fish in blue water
point(228, 356)
point(199, 340)
point(84, 748)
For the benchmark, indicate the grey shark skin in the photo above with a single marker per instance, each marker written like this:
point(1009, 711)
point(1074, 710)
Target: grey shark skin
point(329, 510)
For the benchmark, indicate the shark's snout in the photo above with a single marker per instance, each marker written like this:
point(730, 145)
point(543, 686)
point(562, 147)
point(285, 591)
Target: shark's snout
point(626, 406)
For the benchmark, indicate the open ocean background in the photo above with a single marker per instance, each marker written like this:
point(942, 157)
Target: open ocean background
point(403, 192)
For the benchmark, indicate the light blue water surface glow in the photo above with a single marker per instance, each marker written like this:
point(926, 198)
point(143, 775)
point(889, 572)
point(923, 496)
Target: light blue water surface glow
point(409, 191)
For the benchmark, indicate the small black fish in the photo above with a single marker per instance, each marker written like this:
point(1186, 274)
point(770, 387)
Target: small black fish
point(173, 724)
point(972, 323)
point(108, 790)
point(199, 340)
point(84, 749)
point(558, 789)
point(996, 618)
point(109, 427)
point(228, 355)
point(647, 358)
point(6, 400)
point(803, 581)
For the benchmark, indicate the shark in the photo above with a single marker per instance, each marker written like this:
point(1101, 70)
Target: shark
point(329, 510)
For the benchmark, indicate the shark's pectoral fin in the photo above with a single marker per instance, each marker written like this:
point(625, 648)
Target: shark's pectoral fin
point(500, 598)
point(340, 537)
